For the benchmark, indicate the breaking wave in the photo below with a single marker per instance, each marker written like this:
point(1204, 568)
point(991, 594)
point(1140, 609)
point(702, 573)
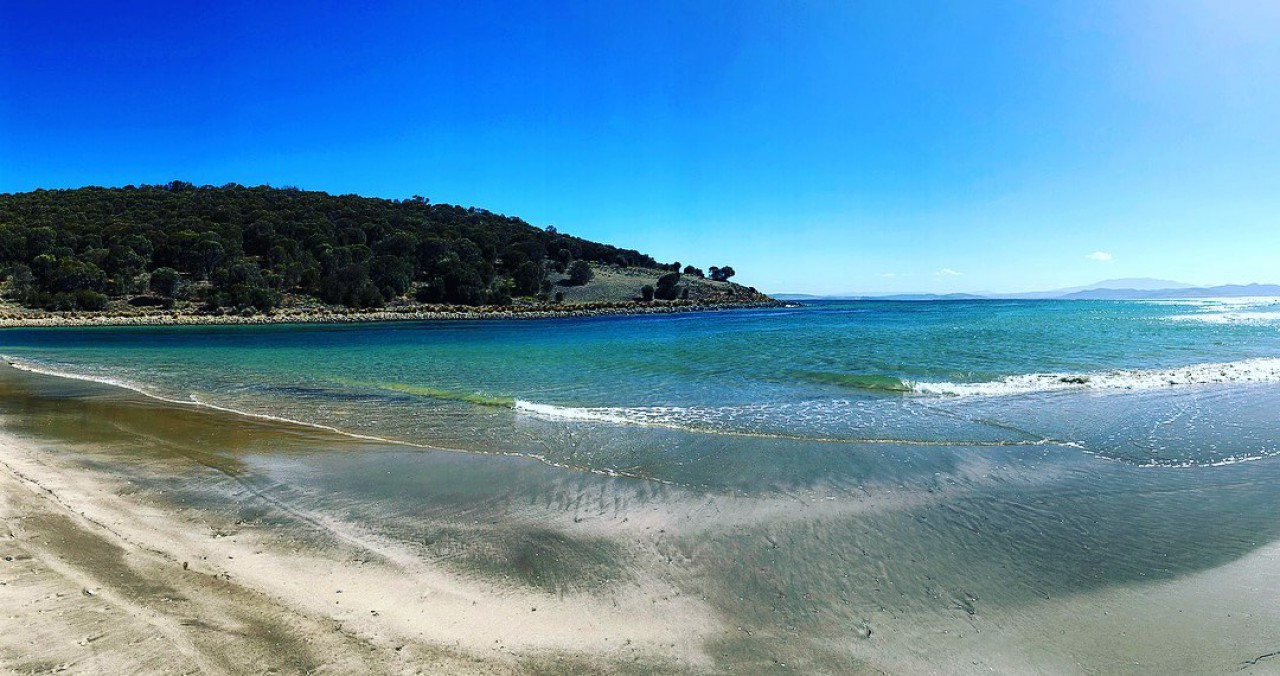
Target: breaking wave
point(1265, 370)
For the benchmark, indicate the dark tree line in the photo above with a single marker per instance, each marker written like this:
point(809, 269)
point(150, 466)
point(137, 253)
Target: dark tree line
point(242, 247)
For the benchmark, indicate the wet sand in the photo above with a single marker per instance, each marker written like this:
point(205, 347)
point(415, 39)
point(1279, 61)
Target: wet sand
point(103, 575)
point(143, 537)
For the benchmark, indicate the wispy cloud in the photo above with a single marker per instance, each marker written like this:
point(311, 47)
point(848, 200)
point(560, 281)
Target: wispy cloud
point(888, 275)
point(1101, 256)
point(946, 272)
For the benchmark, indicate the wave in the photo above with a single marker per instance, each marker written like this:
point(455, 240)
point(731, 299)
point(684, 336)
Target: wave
point(859, 381)
point(434, 393)
point(1266, 370)
point(611, 415)
point(194, 401)
point(905, 421)
point(836, 421)
point(1251, 318)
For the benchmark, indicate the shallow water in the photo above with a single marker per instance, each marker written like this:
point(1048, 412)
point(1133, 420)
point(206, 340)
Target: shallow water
point(832, 522)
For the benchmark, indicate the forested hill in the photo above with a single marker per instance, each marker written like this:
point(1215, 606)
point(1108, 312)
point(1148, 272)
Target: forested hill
point(249, 248)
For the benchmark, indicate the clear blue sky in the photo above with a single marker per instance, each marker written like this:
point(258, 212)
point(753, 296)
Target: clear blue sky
point(816, 147)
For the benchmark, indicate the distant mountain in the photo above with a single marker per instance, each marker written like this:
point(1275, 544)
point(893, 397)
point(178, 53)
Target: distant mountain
point(1140, 283)
point(1224, 291)
point(927, 296)
point(1129, 284)
point(1112, 289)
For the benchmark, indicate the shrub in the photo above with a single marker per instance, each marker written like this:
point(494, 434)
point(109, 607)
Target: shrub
point(646, 292)
point(165, 282)
point(90, 300)
point(666, 289)
point(151, 301)
point(722, 274)
point(580, 273)
point(499, 295)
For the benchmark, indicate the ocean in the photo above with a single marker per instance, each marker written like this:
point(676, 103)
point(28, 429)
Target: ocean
point(857, 484)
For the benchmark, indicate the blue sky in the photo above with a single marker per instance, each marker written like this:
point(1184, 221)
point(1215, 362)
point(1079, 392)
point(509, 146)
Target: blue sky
point(820, 147)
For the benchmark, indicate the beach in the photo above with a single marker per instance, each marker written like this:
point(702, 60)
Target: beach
point(450, 497)
point(863, 338)
point(102, 576)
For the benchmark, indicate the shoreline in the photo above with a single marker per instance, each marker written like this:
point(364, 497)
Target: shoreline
point(113, 571)
point(101, 571)
point(341, 316)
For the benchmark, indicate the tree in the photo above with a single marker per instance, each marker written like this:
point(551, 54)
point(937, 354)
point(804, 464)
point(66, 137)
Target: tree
point(646, 293)
point(73, 275)
point(693, 272)
point(342, 248)
point(205, 256)
point(21, 282)
point(165, 282)
point(563, 259)
point(392, 275)
point(528, 279)
point(666, 289)
point(580, 273)
point(721, 274)
point(500, 294)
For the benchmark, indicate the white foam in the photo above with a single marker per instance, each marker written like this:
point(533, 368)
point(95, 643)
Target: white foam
point(1248, 371)
point(654, 416)
point(836, 421)
point(1214, 302)
point(113, 381)
point(1253, 318)
point(573, 413)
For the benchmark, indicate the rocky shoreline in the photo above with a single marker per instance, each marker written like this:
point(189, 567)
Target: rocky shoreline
point(19, 319)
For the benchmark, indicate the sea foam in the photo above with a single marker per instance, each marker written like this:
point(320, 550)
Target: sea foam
point(1248, 371)
point(1253, 318)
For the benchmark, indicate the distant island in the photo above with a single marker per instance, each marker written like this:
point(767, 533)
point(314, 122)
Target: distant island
point(1112, 289)
point(181, 253)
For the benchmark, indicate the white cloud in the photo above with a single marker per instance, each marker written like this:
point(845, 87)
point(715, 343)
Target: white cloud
point(1101, 256)
point(946, 272)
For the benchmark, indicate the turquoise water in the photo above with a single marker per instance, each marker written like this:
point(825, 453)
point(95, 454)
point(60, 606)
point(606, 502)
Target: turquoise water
point(843, 484)
point(1148, 383)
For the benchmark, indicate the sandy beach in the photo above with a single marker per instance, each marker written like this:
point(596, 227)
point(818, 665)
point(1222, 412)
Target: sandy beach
point(779, 338)
point(141, 536)
point(94, 579)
